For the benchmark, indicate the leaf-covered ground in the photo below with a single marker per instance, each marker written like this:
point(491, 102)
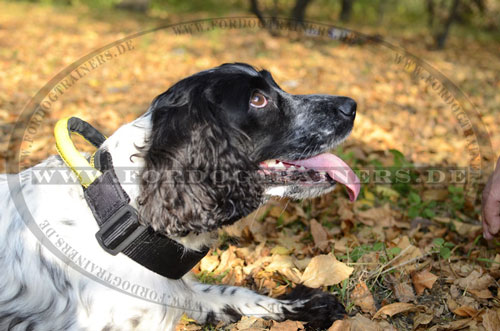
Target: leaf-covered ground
point(405, 256)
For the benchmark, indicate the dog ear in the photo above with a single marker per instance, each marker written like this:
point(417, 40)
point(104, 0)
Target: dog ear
point(197, 175)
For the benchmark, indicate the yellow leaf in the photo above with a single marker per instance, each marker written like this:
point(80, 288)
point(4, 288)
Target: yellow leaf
point(369, 195)
point(325, 270)
point(209, 263)
point(279, 262)
point(280, 250)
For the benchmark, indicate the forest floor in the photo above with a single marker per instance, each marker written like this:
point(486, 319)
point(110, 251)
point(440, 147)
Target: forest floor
point(406, 256)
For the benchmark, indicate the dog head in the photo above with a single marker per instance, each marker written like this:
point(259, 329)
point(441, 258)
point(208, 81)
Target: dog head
point(225, 138)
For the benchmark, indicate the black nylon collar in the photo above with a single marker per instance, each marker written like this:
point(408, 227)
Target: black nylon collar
point(120, 230)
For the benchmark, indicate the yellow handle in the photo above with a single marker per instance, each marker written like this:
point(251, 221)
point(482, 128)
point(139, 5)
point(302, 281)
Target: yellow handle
point(85, 173)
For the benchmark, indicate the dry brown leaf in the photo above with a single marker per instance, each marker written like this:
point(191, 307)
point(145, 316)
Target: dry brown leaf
point(491, 320)
point(496, 265)
point(363, 298)
point(325, 270)
point(251, 323)
point(287, 326)
point(422, 280)
point(362, 323)
point(408, 253)
point(302, 263)
point(482, 294)
point(404, 292)
point(455, 325)
point(382, 216)
point(422, 319)
point(466, 229)
point(342, 244)
point(475, 281)
point(319, 234)
point(340, 325)
point(394, 308)
point(465, 311)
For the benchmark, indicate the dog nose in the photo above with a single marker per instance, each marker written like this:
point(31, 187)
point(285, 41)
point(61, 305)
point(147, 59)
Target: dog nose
point(347, 107)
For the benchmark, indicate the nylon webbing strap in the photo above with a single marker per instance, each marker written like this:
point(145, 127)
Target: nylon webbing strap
point(120, 230)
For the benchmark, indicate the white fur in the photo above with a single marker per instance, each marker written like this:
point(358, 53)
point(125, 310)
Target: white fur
point(41, 290)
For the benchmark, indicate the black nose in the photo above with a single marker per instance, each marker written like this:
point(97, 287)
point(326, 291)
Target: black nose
point(347, 106)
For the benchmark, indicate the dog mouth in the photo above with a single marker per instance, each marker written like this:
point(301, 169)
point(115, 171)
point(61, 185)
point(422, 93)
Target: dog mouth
point(325, 168)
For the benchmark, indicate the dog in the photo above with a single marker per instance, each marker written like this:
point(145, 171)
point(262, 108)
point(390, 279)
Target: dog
point(232, 119)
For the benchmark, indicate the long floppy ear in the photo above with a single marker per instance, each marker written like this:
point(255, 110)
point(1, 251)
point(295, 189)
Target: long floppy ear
point(198, 175)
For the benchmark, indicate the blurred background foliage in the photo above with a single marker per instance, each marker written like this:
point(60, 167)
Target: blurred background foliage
point(481, 18)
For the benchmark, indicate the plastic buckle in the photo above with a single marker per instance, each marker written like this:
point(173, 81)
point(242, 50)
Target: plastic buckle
point(114, 227)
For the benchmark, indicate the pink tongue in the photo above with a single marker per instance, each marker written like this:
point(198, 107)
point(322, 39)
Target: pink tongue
point(336, 168)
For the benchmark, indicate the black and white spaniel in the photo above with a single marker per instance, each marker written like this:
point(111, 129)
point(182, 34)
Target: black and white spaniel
point(247, 138)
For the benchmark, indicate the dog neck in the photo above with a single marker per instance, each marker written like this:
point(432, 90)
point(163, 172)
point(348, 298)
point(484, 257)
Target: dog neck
point(125, 147)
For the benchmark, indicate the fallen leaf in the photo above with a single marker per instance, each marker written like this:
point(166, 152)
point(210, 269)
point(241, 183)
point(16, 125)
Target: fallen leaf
point(496, 263)
point(455, 325)
point(475, 281)
point(422, 280)
point(251, 323)
point(280, 250)
point(342, 244)
point(465, 311)
point(404, 292)
point(362, 323)
point(466, 229)
point(408, 253)
point(287, 326)
point(394, 308)
point(422, 319)
point(228, 260)
point(209, 263)
point(382, 216)
point(363, 298)
point(340, 325)
point(319, 234)
point(491, 320)
point(325, 270)
point(293, 275)
point(302, 263)
point(280, 262)
point(482, 294)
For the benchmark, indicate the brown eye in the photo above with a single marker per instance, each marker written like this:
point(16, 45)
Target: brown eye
point(258, 100)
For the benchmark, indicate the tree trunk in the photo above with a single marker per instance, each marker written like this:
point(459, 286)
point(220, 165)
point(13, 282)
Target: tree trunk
point(254, 8)
point(345, 13)
point(299, 11)
point(441, 37)
point(134, 5)
point(430, 13)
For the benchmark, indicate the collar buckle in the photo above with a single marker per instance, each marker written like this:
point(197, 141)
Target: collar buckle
point(120, 230)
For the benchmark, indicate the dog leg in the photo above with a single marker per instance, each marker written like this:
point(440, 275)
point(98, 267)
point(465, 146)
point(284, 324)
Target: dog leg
point(214, 303)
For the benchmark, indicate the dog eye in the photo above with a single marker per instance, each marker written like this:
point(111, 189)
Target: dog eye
point(258, 100)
